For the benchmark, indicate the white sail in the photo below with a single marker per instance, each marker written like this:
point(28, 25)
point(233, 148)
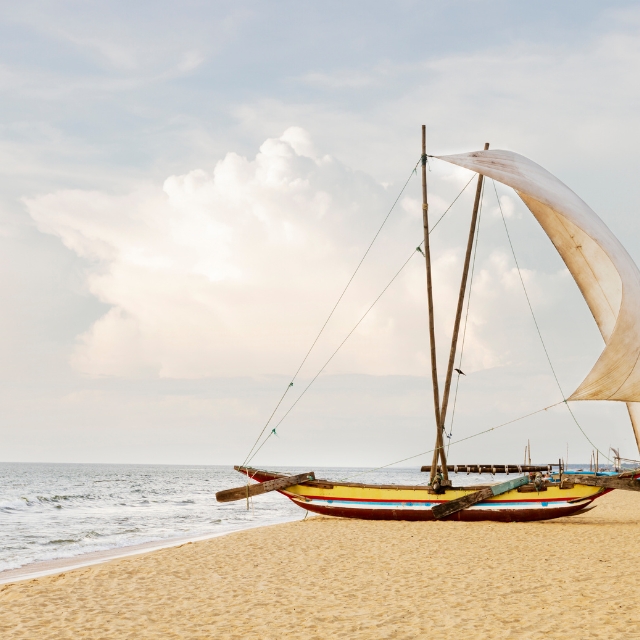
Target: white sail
point(603, 270)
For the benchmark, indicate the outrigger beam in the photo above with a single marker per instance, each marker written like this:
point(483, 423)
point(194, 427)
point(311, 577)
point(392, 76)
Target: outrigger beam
point(248, 490)
point(453, 506)
point(624, 481)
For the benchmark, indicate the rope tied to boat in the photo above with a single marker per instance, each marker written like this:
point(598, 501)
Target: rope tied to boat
point(436, 485)
point(535, 322)
point(474, 435)
point(254, 451)
point(466, 320)
point(326, 322)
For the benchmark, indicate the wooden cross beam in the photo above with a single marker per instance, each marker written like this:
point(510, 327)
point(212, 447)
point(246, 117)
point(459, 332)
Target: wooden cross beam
point(628, 483)
point(453, 506)
point(248, 490)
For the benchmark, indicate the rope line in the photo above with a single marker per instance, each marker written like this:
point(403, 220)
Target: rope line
point(466, 318)
point(335, 306)
point(448, 208)
point(475, 435)
point(366, 313)
point(252, 453)
point(535, 322)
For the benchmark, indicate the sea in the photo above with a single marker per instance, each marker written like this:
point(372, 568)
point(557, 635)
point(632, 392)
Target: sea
point(61, 511)
point(57, 511)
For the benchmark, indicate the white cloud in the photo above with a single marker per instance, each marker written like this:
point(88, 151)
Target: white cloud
point(533, 97)
point(233, 272)
point(207, 275)
point(339, 80)
point(190, 60)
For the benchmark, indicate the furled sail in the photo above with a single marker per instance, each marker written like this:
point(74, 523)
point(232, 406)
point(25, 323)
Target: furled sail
point(603, 270)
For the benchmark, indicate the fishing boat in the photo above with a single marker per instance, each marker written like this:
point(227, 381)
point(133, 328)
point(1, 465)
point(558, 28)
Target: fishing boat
point(609, 281)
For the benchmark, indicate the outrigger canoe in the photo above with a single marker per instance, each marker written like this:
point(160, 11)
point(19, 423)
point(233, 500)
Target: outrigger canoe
point(406, 502)
point(609, 281)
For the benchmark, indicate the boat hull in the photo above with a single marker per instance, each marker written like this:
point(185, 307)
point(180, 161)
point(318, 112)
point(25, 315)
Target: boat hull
point(526, 513)
point(415, 503)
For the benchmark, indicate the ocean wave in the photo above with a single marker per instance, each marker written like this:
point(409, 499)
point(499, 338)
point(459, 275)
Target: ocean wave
point(64, 498)
point(50, 512)
point(13, 505)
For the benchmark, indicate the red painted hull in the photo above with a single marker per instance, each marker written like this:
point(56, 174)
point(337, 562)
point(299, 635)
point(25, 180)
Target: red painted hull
point(466, 515)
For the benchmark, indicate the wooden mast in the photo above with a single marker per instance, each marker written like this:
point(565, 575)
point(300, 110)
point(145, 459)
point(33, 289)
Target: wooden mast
point(432, 335)
point(463, 288)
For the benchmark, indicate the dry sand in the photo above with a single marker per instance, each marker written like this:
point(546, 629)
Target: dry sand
point(327, 578)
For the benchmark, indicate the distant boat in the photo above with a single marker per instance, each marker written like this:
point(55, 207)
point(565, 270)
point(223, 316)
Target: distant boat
point(608, 279)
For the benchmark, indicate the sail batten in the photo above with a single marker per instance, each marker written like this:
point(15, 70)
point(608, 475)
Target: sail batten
point(605, 273)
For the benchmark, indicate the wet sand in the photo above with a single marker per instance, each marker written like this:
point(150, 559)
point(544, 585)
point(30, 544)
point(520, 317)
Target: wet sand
point(60, 565)
point(329, 578)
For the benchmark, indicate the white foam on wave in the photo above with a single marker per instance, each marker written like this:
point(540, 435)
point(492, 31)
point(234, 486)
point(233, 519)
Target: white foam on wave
point(57, 512)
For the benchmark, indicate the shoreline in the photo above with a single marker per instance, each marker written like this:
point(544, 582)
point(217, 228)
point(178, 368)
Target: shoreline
point(42, 568)
point(323, 578)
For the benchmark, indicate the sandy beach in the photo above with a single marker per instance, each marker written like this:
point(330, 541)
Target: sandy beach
point(329, 578)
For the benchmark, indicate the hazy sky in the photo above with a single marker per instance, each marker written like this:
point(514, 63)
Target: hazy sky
point(187, 187)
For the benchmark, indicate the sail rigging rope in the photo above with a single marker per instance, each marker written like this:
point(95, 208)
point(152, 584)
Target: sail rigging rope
point(563, 401)
point(474, 435)
point(335, 306)
point(466, 318)
point(254, 451)
point(535, 322)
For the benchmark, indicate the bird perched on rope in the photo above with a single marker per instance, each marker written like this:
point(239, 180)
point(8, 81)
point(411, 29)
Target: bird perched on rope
point(459, 372)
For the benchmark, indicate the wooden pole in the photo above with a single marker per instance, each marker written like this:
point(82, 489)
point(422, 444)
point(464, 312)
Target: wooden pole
point(463, 288)
point(432, 334)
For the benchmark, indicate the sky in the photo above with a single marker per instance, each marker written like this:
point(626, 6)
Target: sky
point(186, 189)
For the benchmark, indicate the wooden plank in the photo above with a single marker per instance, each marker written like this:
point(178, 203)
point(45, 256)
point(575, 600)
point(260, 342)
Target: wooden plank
point(608, 482)
point(251, 472)
point(242, 493)
point(453, 506)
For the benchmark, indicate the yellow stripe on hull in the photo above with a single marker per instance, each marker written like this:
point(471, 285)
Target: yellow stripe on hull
point(416, 503)
point(412, 494)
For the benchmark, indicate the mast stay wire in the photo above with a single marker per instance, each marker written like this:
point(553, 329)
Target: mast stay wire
point(335, 306)
point(466, 318)
point(535, 322)
point(252, 454)
point(473, 435)
point(563, 401)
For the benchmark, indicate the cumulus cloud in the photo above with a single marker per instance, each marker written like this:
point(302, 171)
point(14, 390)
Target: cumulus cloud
point(202, 271)
point(232, 272)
